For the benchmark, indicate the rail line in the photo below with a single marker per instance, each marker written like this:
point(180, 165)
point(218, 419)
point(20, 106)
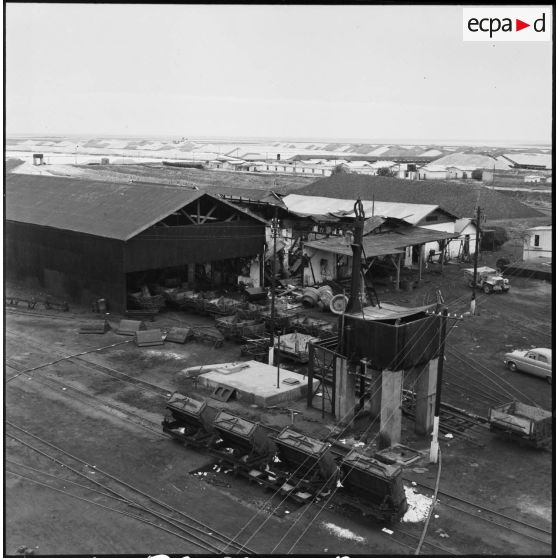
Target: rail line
point(185, 526)
point(86, 397)
point(13, 310)
point(496, 518)
point(116, 374)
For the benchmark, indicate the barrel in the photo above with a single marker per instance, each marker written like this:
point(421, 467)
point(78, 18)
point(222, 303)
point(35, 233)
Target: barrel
point(338, 304)
point(310, 296)
point(326, 295)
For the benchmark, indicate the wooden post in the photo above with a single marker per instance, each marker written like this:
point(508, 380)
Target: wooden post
point(421, 255)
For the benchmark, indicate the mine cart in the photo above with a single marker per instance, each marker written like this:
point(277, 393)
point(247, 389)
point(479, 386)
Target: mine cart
point(376, 485)
point(188, 420)
point(283, 319)
point(243, 444)
point(313, 326)
point(209, 335)
point(257, 347)
point(145, 301)
point(295, 345)
point(523, 422)
point(310, 460)
point(221, 306)
point(236, 328)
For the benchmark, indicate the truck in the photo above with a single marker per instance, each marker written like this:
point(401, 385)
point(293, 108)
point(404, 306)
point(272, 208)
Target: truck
point(522, 422)
point(488, 279)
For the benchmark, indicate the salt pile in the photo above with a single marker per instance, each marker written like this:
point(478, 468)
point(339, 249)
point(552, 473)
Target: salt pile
point(343, 533)
point(419, 506)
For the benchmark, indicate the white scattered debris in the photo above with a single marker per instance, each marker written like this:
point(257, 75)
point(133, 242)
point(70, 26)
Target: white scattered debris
point(342, 533)
point(343, 441)
point(418, 506)
point(205, 474)
point(436, 516)
point(287, 511)
point(63, 389)
point(168, 355)
point(358, 444)
point(319, 394)
point(448, 435)
point(388, 531)
point(339, 485)
point(276, 459)
point(413, 483)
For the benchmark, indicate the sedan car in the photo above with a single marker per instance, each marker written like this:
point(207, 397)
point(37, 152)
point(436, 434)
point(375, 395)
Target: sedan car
point(534, 361)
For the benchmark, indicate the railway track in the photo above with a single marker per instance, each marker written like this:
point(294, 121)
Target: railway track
point(116, 374)
point(451, 421)
point(97, 403)
point(67, 317)
point(482, 513)
point(115, 494)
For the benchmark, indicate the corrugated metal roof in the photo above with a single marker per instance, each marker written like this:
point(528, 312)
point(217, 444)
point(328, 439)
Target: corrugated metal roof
point(105, 209)
point(392, 242)
point(339, 245)
point(459, 199)
point(315, 205)
point(542, 159)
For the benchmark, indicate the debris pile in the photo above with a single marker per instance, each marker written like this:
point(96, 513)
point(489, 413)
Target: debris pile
point(418, 506)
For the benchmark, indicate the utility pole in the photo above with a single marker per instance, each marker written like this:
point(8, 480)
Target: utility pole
point(477, 243)
point(355, 303)
point(274, 230)
point(434, 446)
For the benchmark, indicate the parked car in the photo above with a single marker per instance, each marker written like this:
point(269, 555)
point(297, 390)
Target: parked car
point(488, 279)
point(534, 361)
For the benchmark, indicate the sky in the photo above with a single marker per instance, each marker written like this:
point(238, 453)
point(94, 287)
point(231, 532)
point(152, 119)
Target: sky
point(345, 72)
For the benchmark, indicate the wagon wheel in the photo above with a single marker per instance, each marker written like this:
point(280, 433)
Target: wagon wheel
point(471, 284)
point(487, 289)
point(512, 366)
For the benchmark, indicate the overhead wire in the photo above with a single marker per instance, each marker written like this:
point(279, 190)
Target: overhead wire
point(333, 493)
point(340, 421)
point(351, 467)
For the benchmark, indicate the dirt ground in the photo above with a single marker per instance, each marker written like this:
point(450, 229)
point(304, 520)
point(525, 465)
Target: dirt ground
point(498, 474)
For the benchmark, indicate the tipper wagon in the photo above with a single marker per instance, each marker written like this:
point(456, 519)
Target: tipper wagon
point(523, 422)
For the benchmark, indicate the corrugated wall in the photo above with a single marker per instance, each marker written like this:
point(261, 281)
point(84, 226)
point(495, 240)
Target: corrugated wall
point(73, 265)
point(175, 246)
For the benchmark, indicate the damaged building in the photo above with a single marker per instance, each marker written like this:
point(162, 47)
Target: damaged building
point(85, 239)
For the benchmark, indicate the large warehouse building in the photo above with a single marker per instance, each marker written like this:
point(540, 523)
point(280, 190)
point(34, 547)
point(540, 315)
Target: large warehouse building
point(86, 239)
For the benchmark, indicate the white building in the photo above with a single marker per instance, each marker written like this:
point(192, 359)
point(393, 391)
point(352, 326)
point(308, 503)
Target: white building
point(537, 243)
point(433, 172)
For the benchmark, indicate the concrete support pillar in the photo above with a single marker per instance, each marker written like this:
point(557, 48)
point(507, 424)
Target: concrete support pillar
point(344, 392)
point(426, 398)
point(390, 416)
point(191, 274)
point(375, 392)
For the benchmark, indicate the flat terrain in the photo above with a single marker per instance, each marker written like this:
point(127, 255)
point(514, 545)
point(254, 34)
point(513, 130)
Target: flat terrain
point(94, 407)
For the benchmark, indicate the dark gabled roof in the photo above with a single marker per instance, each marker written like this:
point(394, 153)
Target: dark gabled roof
point(459, 199)
point(106, 209)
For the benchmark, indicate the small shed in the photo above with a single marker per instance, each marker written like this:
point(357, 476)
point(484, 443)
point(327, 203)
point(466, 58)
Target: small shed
point(537, 243)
